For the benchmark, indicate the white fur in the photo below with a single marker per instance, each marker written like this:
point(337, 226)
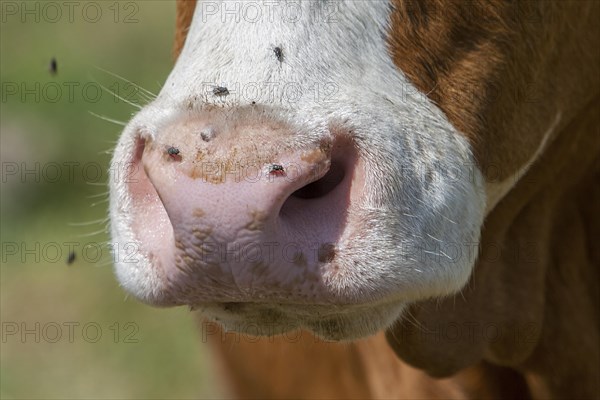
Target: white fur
point(417, 237)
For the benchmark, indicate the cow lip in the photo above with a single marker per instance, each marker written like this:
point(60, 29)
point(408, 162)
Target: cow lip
point(332, 324)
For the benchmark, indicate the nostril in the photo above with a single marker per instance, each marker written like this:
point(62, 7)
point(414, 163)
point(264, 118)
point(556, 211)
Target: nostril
point(323, 186)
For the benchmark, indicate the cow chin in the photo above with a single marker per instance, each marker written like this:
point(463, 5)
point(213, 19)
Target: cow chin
point(332, 324)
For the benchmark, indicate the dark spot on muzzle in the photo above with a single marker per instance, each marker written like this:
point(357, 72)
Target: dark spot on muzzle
point(220, 91)
point(278, 53)
point(326, 253)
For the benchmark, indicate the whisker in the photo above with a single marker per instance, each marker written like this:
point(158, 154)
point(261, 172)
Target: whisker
point(392, 330)
point(93, 196)
point(94, 222)
point(123, 99)
point(147, 92)
point(434, 238)
point(96, 233)
point(110, 151)
point(448, 219)
point(146, 97)
point(105, 118)
point(434, 87)
point(105, 264)
point(415, 322)
point(99, 202)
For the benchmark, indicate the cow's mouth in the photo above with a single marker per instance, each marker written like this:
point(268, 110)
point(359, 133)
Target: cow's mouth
point(327, 322)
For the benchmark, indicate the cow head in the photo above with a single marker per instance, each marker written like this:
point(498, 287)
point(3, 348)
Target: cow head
point(329, 165)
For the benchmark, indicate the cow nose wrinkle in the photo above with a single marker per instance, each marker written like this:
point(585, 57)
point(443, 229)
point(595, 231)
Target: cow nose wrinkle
point(321, 187)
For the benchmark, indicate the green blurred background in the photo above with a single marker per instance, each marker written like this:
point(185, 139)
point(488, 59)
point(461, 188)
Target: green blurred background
point(47, 125)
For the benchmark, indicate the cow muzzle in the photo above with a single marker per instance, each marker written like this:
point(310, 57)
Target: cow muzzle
point(243, 211)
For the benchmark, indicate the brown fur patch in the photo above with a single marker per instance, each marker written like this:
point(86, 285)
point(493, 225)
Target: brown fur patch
point(184, 14)
point(501, 71)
